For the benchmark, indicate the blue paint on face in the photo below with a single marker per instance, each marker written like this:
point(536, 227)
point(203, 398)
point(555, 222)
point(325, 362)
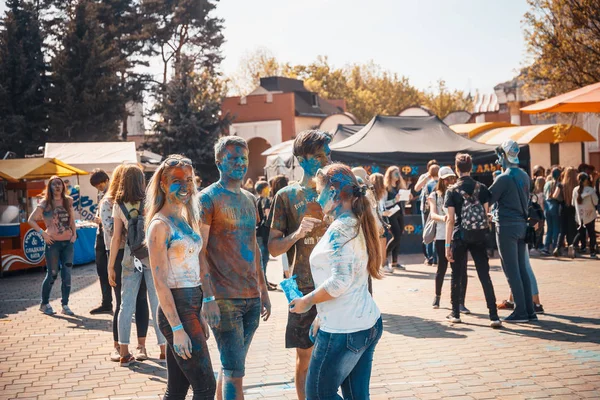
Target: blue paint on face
point(325, 197)
point(312, 162)
point(234, 163)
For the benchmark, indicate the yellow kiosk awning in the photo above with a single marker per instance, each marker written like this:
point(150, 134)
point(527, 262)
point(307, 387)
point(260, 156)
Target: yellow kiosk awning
point(35, 169)
point(532, 134)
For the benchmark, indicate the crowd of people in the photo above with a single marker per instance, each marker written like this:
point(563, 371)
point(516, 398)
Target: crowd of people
point(194, 259)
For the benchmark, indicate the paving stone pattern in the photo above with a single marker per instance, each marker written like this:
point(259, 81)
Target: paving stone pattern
point(420, 355)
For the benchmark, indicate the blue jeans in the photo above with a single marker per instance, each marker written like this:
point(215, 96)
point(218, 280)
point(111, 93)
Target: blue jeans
point(239, 321)
point(59, 255)
point(553, 222)
point(342, 360)
point(513, 253)
point(430, 252)
point(131, 280)
point(534, 286)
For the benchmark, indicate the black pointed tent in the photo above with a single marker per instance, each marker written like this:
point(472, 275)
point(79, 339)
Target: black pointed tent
point(344, 131)
point(412, 142)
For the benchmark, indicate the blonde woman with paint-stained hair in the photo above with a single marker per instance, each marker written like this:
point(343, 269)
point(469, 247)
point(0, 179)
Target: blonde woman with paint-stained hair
point(175, 243)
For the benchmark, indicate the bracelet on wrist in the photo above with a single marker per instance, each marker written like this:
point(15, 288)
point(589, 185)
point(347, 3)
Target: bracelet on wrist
point(177, 328)
point(208, 299)
point(448, 245)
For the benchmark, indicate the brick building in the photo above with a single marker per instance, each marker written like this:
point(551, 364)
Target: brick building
point(275, 112)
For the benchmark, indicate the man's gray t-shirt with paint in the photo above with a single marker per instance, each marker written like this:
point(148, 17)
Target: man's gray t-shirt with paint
point(512, 205)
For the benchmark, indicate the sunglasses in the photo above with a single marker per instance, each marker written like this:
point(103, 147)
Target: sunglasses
point(172, 162)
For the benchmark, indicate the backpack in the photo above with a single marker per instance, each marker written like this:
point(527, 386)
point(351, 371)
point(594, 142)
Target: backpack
point(473, 219)
point(135, 232)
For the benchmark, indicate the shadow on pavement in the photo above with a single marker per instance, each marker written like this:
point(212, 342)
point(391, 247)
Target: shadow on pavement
point(22, 289)
point(576, 319)
point(555, 331)
point(421, 328)
point(85, 323)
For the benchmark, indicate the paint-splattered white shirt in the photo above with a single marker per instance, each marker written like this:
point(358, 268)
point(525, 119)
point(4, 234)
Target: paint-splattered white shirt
point(339, 264)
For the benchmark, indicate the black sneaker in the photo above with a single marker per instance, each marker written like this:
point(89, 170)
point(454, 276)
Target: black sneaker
point(513, 318)
point(451, 318)
point(436, 302)
point(463, 309)
point(593, 255)
point(545, 252)
point(102, 310)
point(539, 309)
point(533, 318)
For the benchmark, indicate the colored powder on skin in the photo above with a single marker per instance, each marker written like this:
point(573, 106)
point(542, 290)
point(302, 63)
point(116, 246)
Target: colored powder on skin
point(229, 391)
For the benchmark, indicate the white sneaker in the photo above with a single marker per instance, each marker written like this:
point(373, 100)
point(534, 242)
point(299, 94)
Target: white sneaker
point(388, 269)
point(115, 355)
point(496, 324)
point(141, 354)
point(67, 311)
point(47, 309)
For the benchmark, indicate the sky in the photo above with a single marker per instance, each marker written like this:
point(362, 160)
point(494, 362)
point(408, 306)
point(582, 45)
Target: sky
point(471, 44)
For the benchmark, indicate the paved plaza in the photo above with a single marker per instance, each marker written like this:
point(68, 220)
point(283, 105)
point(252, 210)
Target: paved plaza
point(420, 356)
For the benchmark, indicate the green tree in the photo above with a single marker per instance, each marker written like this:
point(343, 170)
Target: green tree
point(442, 101)
point(563, 40)
point(190, 118)
point(127, 27)
point(23, 83)
point(367, 89)
point(86, 96)
point(185, 28)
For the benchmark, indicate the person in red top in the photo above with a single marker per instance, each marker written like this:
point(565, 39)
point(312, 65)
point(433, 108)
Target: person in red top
point(56, 209)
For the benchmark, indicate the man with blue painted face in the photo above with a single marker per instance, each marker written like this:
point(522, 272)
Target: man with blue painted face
point(296, 228)
point(511, 191)
point(235, 274)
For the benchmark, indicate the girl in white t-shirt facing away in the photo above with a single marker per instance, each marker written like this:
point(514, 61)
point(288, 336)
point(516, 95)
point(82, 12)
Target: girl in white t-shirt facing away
point(447, 178)
point(349, 323)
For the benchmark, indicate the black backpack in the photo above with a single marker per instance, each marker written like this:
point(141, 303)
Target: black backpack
point(474, 223)
point(136, 234)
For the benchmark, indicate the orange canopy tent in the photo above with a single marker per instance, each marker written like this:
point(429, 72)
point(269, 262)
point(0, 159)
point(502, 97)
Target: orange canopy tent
point(586, 99)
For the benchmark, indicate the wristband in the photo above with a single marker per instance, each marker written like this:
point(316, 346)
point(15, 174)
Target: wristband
point(177, 328)
point(208, 299)
point(448, 244)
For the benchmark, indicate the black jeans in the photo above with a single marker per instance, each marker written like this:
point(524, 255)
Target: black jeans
point(591, 231)
point(442, 267)
point(102, 270)
point(568, 226)
point(142, 314)
point(397, 227)
point(196, 371)
point(459, 267)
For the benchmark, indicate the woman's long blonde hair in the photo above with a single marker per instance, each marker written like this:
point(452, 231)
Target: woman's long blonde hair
point(115, 182)
point(155, 198)
point(388, 179)
point(377, 180)
point(569, 182)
